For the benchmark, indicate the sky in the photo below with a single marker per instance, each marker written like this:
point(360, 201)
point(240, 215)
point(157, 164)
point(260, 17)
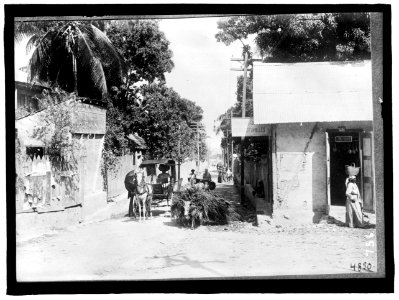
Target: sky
point(202, 68)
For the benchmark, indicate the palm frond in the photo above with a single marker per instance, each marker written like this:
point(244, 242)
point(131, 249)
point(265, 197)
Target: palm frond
point(91, 63)
point(113, 62)
point(99, 64)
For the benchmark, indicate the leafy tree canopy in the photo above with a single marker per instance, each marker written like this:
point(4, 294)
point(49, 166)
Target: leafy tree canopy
point(144, 47)
point(302, 37)
point(156, 118)
point(151, 110)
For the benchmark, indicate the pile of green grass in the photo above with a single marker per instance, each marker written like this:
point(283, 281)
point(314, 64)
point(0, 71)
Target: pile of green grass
point(204, 208)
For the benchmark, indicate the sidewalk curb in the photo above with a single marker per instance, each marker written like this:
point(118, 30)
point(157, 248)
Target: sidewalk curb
point(113, 208)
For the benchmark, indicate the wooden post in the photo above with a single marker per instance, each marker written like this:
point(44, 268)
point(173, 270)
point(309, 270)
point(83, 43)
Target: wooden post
point(244, 96)
point(198, 158)
point(232, 147)
point(178, 159)
point(48, 187)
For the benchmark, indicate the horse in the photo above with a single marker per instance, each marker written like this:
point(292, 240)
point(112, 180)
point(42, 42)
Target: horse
point(139, 193)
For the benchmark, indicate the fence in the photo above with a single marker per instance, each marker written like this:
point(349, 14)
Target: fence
point(40, 192)
point(37, 164)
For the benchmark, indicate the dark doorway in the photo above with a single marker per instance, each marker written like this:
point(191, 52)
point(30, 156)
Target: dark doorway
point(344, 150)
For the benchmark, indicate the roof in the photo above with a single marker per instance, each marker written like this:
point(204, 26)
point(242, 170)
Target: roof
point(139, 141)
point(158, 161)
point(312, 92)
point(29, 86)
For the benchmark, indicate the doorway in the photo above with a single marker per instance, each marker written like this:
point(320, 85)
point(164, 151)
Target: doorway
point(344, 150)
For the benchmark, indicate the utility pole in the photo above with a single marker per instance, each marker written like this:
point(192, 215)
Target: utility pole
point(244, 99)
point(198, 158)
point(178, 158)
point(197, 126)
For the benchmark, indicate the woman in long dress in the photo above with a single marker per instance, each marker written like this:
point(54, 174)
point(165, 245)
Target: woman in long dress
point(354, 215)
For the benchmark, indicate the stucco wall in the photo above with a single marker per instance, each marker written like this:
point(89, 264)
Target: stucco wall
point(33, 223)
point(300, 170)
point(299, 177)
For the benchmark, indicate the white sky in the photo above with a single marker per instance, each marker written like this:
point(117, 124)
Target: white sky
point(202, 68)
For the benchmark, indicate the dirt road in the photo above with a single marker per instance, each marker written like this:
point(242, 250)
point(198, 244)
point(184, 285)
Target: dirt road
point(123, 248)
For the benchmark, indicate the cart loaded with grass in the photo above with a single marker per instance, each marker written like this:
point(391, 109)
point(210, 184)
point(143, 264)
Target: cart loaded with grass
point(196, 206)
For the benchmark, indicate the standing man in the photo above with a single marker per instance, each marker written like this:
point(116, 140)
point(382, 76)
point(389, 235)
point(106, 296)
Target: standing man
point(192, 177)
point(236, 168)
point(207, 176)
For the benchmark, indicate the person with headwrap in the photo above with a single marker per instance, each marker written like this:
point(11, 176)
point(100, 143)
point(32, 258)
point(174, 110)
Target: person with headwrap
point(354, 203)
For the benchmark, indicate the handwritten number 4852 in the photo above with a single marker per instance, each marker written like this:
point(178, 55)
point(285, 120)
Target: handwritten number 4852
point(359, 267)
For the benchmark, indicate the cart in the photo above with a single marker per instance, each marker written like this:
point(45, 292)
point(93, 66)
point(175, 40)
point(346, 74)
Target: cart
point(162, 188)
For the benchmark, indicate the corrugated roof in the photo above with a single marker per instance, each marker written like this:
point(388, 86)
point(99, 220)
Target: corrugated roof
point(312, 92)
point(138, 140)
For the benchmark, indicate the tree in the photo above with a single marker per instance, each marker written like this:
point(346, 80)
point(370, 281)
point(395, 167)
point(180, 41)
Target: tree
point(144, 47)
point(294, 38)
point(302, 37)
point(157, 121)
point(152, 110)
point(77, 57)
point(54, 129)
point(32, 30)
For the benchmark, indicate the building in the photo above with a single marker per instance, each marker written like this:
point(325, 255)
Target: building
point(317, 118)
point(55, 202)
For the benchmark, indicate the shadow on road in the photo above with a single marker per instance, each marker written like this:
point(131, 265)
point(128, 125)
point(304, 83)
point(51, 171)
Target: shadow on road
point(171, 261)
point(246, 212)
point(175, 224)
point(332, 220)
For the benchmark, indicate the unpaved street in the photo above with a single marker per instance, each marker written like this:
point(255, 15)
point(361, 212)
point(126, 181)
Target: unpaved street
point(123, 248)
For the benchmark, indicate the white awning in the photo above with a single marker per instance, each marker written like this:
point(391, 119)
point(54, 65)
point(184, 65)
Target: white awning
point(312, 92)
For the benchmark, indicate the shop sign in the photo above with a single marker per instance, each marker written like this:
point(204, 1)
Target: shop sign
point(343, 139)
point(245, 127)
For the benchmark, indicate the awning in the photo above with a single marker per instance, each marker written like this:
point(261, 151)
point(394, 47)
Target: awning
point(139, 141)
point(158, 162)
point(312, 92)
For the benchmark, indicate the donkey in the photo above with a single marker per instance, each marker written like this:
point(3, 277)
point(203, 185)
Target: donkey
point(139, 193)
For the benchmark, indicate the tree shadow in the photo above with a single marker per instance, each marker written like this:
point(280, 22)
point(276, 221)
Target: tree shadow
point(157, 212)
point(171, 261)
point(173, 223)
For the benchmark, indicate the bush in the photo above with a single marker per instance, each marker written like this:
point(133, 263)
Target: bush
point(203, 207)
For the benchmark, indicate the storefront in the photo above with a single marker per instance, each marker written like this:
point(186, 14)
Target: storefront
point(318, 118)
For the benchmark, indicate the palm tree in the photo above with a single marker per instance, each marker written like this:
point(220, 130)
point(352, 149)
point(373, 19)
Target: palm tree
point(77, 57)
